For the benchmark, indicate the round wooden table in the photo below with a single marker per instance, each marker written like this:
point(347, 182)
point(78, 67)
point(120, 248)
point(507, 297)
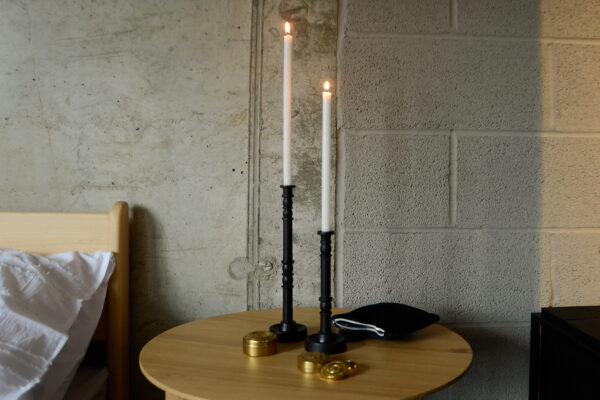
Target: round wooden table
point(204, 360)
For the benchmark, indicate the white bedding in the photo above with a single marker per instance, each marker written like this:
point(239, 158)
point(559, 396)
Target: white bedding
point(49, 307)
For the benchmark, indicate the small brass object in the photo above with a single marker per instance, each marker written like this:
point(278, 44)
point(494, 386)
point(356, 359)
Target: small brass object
point(352, 367)
point(260, 343)
point(312, 362)
point(334, 370)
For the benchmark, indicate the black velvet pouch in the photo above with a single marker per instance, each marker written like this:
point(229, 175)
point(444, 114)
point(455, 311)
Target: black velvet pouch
point(384, 321)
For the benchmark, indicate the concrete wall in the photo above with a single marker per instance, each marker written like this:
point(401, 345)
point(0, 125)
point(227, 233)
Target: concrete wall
point(314, 25)
point(174, 107)
point(145, 102)
point(468, 185)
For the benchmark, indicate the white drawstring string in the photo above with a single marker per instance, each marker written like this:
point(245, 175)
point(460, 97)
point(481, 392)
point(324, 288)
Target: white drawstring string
point(358, 326)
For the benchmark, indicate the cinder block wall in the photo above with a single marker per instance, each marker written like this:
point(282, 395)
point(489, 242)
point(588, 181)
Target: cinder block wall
point(468, 168)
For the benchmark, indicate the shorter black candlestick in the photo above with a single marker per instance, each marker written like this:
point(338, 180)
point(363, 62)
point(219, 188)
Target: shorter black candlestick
point(325, 341)
point(288, 330)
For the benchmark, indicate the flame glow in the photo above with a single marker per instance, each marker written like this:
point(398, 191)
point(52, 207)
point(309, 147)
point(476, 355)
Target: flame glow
point(287, 28)
point(326, 86)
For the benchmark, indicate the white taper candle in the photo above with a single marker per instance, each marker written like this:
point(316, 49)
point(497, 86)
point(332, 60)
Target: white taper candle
point(325, 158)
point(287, 106)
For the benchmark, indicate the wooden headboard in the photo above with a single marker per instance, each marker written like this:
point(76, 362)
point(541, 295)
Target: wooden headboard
point(50, 233)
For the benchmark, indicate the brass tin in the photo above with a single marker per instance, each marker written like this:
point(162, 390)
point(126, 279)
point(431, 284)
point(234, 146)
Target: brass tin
point(336, 370)
point(311, 362)
point(260, 343)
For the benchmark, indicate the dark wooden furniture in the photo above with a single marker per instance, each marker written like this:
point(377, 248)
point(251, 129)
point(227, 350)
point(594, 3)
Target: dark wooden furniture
point(565, 354)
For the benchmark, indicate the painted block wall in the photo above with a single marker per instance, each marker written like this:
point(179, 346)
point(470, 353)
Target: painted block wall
point(468, 159)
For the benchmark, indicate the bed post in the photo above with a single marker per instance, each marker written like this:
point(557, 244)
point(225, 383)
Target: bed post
point(118, 309)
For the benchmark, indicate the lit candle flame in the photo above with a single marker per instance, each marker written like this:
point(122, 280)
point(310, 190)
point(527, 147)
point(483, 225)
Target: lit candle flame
point(287, 28)
point(326, 86)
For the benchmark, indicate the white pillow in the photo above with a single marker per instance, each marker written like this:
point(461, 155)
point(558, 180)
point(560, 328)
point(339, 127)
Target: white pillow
point(49, 308)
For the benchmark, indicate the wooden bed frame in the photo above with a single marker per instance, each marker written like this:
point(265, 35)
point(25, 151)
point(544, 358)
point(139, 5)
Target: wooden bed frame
point(50, 233)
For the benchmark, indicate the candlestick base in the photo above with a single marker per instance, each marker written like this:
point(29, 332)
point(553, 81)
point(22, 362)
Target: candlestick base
point(330, 343)
point(288, 333)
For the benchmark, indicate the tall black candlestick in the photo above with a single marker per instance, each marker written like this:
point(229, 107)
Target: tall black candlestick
point(325, 340)
point(288, 330)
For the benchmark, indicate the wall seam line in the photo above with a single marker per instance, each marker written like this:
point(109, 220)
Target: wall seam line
point(340, 229)
point(551, 87)
point(338, 282)
point(458, 132)
point(459, 230)
point(254, 131)
point(454, 15)
point(397, 132)
point(489, 324)
point(453, 178)
point(458, 36)
point(554, 292)
point(546, 133)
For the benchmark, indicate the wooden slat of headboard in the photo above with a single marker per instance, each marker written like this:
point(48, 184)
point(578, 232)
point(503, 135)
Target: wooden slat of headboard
point(118, 304)
point(50, 233)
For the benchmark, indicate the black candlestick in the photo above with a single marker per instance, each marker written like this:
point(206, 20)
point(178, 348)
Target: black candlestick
point(326, 341)
point(288, 330)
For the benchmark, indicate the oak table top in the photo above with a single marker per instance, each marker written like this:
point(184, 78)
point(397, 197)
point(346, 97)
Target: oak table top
point(204, 360)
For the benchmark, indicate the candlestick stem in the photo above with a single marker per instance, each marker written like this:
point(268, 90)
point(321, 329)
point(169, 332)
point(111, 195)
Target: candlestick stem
point(325, 340)
point(288, 330)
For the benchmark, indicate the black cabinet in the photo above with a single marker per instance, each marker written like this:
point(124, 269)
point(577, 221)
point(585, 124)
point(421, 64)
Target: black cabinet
point(565, 354)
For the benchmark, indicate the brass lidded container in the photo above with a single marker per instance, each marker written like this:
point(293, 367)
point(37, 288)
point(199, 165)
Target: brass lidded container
point(336, 370)
point(311, 362)
point(260, 343)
